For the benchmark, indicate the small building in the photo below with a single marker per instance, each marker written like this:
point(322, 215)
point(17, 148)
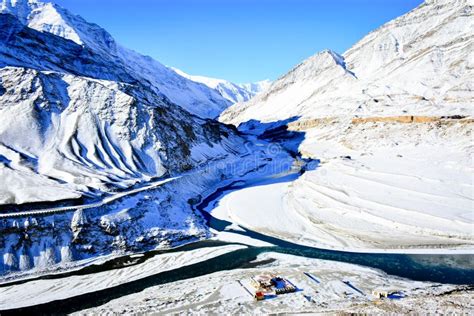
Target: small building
point(259, 296)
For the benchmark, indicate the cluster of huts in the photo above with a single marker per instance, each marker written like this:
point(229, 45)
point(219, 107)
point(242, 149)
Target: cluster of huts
point(270, 285)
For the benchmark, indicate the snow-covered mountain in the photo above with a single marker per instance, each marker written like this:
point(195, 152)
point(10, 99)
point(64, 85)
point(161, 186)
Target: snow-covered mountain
point(73, 117)
point(50, 18)
point(256, 87)
point(232, 92)
point(420, 63)
point(130, 142)
point(391, 120)
point(85, 120)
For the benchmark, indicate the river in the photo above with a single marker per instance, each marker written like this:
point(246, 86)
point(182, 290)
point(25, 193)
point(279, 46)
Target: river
point(452, 268)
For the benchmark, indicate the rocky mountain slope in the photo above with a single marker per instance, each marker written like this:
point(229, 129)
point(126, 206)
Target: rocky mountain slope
point(50, 18)
point(232, 92)
point(391, 120)
point(83, 121)
point(68, 125)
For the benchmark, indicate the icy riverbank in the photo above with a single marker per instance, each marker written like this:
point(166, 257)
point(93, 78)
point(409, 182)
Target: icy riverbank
point(43, 291)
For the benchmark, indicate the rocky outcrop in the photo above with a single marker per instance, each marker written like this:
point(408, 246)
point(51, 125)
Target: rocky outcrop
point(304, 125)
point(414, 119)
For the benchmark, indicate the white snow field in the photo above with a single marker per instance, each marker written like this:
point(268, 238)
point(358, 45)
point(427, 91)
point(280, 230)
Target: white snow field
point(412, 196)
point(403, 191)
point(224, 292)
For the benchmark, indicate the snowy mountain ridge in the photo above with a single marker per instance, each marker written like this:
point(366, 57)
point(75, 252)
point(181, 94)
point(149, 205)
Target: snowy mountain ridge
point(231, 91)
point(319, 73)
point(417, 63)
point(256, 87)
point(47, 17)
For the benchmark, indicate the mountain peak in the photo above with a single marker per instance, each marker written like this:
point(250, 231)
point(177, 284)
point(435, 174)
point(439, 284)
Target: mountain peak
point(417, 62)
point(43, 17)
point(326, 59)
point(335, 56)
point(256, 87)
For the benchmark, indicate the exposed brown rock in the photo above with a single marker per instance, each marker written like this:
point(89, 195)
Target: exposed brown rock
point(412, 119)
point(307, 124)
point(402, 119)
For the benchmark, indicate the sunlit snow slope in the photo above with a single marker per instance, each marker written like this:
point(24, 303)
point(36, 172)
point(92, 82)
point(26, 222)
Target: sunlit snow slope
point(418, 64)
point(391, 120)
point(50, 18)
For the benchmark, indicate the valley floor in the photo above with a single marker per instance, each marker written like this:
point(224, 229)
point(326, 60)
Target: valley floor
point(225, 292)
point(390, 193)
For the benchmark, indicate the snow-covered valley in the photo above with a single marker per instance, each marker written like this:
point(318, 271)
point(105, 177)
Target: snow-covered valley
point(120, 191)
point(397, 194)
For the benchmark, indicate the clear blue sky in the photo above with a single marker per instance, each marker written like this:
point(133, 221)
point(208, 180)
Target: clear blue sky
point(237, 40)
